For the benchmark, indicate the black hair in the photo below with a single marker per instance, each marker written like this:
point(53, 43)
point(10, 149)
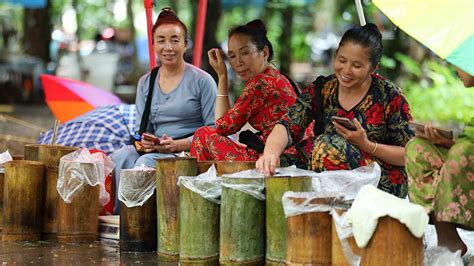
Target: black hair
point(168, 16)
point(367, 36)
point(257, 32)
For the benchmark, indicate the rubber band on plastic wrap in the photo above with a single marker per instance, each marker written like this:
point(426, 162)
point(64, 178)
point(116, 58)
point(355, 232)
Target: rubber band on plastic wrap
point(207, 184)
point(136, 185)
point(73, 174)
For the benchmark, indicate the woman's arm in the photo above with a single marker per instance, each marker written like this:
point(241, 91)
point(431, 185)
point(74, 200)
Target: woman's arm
point(216, 60)
point(274, 147)
point(388, 153)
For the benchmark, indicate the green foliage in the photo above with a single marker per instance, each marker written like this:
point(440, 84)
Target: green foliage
point(439, 96)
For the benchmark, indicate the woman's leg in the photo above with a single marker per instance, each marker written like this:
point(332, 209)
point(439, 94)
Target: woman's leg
point(423, 162)
point(454, 195)
point(208, 145)
point(333, 152)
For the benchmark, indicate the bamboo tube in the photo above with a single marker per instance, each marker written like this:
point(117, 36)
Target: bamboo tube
point(309, 236)
point(390, 239)
point(31, 151)
point(203, 166)
point(199, 229)
point(78, 221)
point(22, 207)
point(276, 224)
point(242, 225)
point(224, 167)
point(138, 224)
point(51, 156)
point(167, 172)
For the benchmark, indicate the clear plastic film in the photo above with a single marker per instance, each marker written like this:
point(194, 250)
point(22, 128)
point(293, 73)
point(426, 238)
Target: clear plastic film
point(4, 157)
point(345, 183)
point(441, 256)
point(136, 185)
point(82, 168)
point(298, 203)
point(333, 190)
point(254, 188)
point(207, 184)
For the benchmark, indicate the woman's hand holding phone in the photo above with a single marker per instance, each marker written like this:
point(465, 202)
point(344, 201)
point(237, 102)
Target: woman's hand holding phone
point(357, 136)
point(438, 136)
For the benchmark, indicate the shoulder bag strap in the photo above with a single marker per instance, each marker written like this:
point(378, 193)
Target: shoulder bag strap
point(146, 112)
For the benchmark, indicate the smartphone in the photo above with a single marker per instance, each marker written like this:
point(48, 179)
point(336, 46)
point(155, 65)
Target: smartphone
point(344, 121)
point(445, 132)
point(150, 137)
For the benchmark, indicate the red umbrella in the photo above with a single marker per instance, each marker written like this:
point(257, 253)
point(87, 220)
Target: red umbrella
point(69, 98)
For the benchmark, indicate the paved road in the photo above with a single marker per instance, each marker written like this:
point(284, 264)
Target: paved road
point(23, 125)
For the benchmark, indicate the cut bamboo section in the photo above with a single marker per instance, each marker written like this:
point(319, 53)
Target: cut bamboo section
point(199, 229)
point(242, 226)
point(309, 236)
point(167, 172)
point(138, 224)
point(78, 221)
point(203, 166)
point(23, 191)
point(31, 151)
point(224, 167)
point(50, 156)
point(276, 224)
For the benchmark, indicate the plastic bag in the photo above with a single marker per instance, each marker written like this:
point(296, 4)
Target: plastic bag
point(81, 168)
point(4, 157)
point(345, 183)
point(441, 256)
point(207, 184)
point(298, 203)
point(136, 185)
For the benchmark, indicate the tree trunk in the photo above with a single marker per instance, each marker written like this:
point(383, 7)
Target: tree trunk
point(285, 40)
point(213, 15)
point(131, 17)
point(37, 32)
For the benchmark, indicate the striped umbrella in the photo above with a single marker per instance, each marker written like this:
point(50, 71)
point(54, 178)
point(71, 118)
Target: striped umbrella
point(444, 26)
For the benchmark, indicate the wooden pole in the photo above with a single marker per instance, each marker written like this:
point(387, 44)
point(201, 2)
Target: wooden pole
point(276, 224)
point(167, 172)
point(22, 201)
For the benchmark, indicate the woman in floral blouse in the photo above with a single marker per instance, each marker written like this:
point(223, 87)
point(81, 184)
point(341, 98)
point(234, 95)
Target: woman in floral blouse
point(265, 99)
point(376, 106)
point(441, 178)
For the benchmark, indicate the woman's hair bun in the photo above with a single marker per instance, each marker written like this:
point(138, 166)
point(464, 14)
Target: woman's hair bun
point(257, 24)
point(166, 12)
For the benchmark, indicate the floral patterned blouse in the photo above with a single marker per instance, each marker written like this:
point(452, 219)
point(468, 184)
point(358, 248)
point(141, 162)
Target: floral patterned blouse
point(383, 113)
point(263, 102)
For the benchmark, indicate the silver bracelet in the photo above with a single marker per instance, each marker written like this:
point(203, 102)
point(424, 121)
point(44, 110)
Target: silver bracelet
point(222, 95)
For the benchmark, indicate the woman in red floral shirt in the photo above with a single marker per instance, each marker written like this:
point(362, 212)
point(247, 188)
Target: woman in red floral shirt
point(266, 97)
point(376, 106)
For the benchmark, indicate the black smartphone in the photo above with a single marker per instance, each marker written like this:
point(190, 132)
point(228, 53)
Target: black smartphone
point(445, 132)
point(345, 122)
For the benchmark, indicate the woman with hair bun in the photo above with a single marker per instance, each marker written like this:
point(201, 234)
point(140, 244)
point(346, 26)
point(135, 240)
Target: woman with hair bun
point(266, 96)
point(375, 110)
point(183, 100)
